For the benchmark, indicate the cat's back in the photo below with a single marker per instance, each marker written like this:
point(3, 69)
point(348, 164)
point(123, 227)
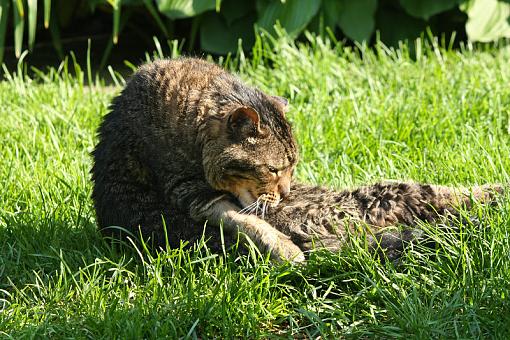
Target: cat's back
point(163, 91)
point(161, 98)
point(180, 75)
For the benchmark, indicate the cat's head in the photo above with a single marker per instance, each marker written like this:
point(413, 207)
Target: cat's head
point(251, 152)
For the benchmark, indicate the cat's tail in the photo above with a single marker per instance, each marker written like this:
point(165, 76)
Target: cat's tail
point(390, 203)
point(445, 203)
point(454, 198)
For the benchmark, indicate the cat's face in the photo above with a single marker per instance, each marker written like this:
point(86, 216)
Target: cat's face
point(254, 155)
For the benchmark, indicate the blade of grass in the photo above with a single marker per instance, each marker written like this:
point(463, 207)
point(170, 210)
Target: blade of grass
point(109, 46)
point(152, 10)
point(4, 16)
point(47, 13)
point(89, 67)
point(116, 20)
point(195, 25)
point(19, 25)
point(55, 38)
point(32, 22)
point(159, 50)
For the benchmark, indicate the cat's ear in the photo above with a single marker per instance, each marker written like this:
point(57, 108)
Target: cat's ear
point(244, 118)
point(281, 103)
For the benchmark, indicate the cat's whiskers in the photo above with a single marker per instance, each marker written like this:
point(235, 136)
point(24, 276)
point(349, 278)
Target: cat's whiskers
point(265, 201)
point(259, 199)
point(264, 209)
point(260, 206)
point(249, 208)
point(253, 208)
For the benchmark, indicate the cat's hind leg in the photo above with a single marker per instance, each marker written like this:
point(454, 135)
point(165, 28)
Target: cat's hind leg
point(126, 209)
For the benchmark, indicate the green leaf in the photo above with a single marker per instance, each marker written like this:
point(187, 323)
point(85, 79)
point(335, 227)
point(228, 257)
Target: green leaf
point(47, 12)
point(408, 28)
point(427, 8)
point(216, 36)
point(19, 4)
point(355, 18)
point(235, 9)
point(488, 20)
point(4, 15)
point(19, 25)
point(177, 9)
point(293, 15)
point(32, 22)
point(116, 19)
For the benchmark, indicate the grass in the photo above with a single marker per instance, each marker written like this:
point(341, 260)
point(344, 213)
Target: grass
point(360, 116)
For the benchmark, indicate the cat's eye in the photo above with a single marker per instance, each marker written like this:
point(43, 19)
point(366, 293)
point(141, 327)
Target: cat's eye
point(272, 169)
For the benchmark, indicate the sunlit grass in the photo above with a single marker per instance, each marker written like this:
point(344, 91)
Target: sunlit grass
point(359, 116)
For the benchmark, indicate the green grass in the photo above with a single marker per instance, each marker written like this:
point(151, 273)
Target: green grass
point(359, 116)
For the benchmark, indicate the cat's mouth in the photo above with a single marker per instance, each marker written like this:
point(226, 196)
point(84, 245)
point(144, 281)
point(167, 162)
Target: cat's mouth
point(247, 199)
point(270, 198)
point(260, 206)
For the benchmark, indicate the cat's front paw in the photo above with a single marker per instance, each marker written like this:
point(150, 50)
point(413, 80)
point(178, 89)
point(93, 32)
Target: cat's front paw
point(267, 238)
point(285, 250)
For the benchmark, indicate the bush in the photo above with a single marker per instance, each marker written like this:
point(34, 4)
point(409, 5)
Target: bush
point(221, 26)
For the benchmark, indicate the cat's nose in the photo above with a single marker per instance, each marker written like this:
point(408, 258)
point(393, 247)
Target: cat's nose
point(284, 189)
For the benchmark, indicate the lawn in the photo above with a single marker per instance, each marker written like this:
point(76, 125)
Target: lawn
point(359, 116)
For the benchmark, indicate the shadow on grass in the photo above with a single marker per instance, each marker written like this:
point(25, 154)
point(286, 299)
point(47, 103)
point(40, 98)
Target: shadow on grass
point(29, 245)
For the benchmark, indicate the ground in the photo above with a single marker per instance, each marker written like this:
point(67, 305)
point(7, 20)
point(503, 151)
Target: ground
point(360, 116)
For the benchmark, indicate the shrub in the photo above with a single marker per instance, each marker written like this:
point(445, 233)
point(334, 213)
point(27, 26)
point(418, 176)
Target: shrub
point(221, 26)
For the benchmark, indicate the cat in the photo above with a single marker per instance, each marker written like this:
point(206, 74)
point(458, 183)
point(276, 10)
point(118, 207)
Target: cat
point(187, 143)
point(316, 217)
point(186, 137)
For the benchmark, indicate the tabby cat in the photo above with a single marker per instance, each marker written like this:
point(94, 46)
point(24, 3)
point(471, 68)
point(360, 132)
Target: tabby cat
point(187, 143)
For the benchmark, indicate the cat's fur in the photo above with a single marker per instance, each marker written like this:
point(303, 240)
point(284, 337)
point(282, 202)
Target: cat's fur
point(188, 143)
